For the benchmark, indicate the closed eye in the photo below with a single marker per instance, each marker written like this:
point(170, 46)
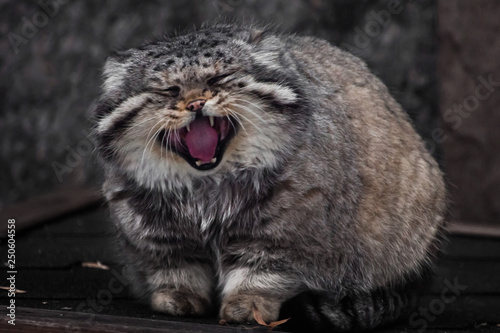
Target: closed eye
point(216, 79)
point(170, 91)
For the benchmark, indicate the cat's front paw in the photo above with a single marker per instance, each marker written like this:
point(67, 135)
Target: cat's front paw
point(179, 303)
point(238, 308)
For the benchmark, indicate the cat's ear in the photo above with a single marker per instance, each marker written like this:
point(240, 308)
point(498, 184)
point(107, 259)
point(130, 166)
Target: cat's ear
point(120, 56)
point(114, 74)
point(115, 71)
point(257, 36)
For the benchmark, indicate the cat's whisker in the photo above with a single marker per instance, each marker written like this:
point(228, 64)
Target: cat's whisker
point(162, 146)
point(247, 119)
point(177, 135)
point(155, 135)
point(146, 143)
point(149, 140)
point(233, 125)
point(249, 102)
point(134, 126)
point(169, 141)
point(152, 128)
point(236, 117)
point(152, 139)
point(251, 111)
point(145, 121)
point(165, 146)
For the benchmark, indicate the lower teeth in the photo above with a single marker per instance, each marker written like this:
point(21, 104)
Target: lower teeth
point(213, 160)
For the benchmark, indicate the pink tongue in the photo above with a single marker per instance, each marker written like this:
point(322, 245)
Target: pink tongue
point(202, 139)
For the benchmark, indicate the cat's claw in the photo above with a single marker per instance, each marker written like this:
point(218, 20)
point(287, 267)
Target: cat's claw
point(179, 303)
point(238, 308)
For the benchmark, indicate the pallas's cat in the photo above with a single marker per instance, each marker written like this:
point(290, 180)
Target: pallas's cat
point(248, 170)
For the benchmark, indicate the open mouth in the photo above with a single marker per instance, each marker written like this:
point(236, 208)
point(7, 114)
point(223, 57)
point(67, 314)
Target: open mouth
point(202, 142)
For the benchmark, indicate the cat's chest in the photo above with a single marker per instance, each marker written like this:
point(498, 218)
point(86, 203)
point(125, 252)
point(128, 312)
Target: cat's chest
point(212, 209)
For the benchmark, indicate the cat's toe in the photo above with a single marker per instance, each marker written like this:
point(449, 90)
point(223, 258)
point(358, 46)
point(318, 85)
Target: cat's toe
point(238, 308)
point(179, 303)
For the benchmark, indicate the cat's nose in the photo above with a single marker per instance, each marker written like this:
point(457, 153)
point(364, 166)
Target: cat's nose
point(196, 105)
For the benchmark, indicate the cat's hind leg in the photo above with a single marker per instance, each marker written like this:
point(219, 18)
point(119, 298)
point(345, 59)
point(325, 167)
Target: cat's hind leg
point(322, 312)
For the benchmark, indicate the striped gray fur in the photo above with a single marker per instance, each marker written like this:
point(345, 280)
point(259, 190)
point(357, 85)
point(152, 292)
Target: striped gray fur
point(325, 193)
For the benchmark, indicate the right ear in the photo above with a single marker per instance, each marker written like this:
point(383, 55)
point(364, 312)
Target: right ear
point(114, 73)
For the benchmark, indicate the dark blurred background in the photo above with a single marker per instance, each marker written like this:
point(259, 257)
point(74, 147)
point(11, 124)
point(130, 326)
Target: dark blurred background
point(52, 52)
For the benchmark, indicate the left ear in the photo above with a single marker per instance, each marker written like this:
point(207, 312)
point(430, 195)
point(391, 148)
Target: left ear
point(257, 35)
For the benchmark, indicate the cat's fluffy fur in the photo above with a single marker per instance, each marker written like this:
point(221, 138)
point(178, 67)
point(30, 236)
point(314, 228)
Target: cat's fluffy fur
point(325, 187)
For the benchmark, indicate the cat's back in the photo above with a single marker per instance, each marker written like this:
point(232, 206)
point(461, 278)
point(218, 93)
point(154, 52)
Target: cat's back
point(382, 134)
point(403, 191)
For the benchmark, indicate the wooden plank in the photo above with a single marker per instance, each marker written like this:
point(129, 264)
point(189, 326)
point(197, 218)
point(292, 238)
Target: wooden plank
point(472, 248)
point(58, 252)
point(478, 277)
point(85, 289)
point(461, 312)
point(464, 311)
point(117, 306)
point(36, 320)
point(74, 283)
point(480, 328)
point(467, 60)
point(89, 222)
point(473, 229)
point(79, 282)
point(49, 206)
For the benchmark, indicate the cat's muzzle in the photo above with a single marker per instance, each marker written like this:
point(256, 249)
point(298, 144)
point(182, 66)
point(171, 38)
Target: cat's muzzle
point(202, 142)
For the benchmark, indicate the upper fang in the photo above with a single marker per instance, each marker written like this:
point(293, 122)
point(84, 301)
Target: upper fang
point(211, 118)
point(188, 128)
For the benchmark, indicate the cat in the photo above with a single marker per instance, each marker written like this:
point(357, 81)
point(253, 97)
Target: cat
point(250, 170)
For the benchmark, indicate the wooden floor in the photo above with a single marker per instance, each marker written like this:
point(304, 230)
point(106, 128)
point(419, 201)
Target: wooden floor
point(63, 296)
